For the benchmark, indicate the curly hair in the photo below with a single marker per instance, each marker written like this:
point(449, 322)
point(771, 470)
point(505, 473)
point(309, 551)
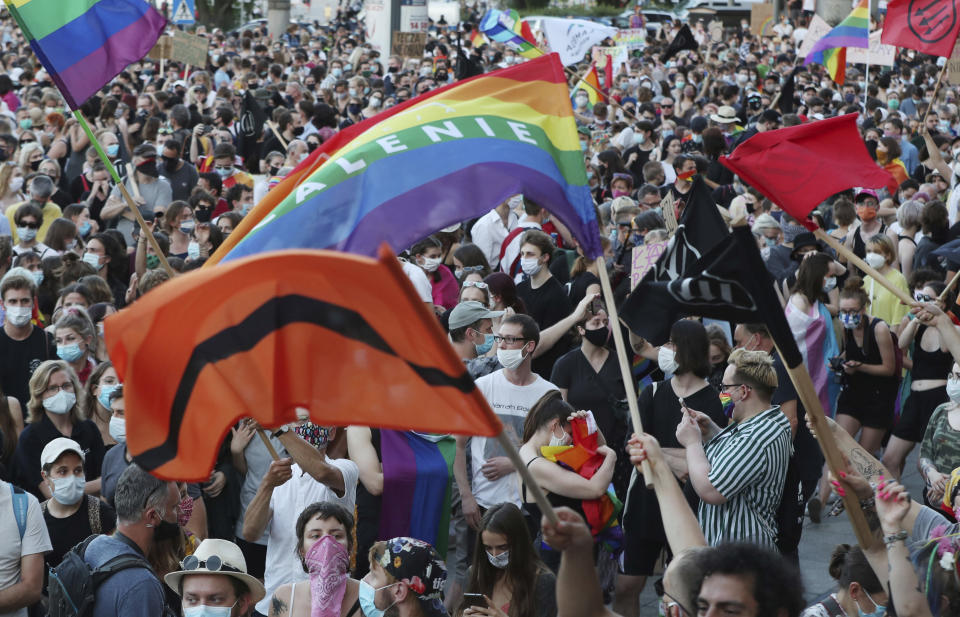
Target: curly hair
point(776, 583)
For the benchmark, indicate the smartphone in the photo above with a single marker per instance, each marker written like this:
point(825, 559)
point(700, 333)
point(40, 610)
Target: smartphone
point(596, 305)
point(474, 599)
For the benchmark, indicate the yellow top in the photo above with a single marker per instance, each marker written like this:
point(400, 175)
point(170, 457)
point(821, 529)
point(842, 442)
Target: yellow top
point(51, 211)
point(883, 304)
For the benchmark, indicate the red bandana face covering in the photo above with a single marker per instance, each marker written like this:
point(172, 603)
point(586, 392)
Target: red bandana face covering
point(327, 562)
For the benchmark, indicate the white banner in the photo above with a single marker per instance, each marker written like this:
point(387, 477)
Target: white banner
point(573, 38)
point(815, 31)
point(378, 25)
point(878, 54)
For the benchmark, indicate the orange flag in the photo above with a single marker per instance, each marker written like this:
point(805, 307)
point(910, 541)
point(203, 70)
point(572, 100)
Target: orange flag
point(345, 336)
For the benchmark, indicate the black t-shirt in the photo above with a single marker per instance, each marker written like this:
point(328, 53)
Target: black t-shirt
point(38, 434)
point(18, 360)
point(806, 451)
point(62, 199)
point(182, 180)
point(588, 389)
point(547, 304)
point(65, 533)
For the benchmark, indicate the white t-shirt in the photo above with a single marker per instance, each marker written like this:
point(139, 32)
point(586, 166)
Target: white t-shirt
point(35, 540)
point(513, 249)
point(287, 502)
point(488, 234)
point(511, 404)
point(419, 279)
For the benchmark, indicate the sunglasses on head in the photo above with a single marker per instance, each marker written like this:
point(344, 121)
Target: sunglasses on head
point(477, 284)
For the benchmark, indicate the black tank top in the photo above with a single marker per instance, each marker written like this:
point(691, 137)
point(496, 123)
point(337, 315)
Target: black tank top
point(929, 364)
point(869, 354)
point(859, 246)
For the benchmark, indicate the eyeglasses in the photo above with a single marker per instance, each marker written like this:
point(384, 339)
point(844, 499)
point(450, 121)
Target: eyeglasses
point(510, 340)
point(477, 284)
point(53, 390)
point(467, 269)
point(660, 591)
point(921, 297)
point(213, 563)
point(729, 386)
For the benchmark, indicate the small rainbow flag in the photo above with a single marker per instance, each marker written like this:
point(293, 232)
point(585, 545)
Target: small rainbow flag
point(591, 78)
point(831, 50)
point(477, 39)
point(83, 44)
point(506, 27)
point(439, 159)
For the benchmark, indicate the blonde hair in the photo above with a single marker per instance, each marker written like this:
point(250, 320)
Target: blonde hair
point(39, 383)
point(885, 244)
point(755, 369)
point(77, 319)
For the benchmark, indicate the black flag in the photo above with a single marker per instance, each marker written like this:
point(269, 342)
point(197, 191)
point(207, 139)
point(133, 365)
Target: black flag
point(683, 40)
point(699, 230)
point(729, 283)
point(466, 66)
point(249, 129)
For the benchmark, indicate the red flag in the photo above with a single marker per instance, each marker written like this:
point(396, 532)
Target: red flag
point(800, 166)
point(608, 75)
point(929, 26)
point(342, 335)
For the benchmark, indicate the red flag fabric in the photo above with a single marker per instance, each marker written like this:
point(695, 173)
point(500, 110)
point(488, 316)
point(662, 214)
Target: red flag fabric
point(344, 336)
point(800, 166)
point(608, 75)
point(928, 26)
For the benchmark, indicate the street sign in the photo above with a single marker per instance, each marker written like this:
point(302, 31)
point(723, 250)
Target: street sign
point(183, 12)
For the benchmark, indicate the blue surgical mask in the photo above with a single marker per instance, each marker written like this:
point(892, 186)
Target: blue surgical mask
point(878, 609)
point(771, 242)
point(69, 490)
point(85, 228)
point(829, 284)
point(368, 599)
point(37, 277)
point(105, 391)
point(69, 353)
point(112, 150)
point(485, 346)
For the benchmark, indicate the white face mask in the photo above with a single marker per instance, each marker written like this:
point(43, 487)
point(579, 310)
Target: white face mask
point(69, 490)
point(875, 260)
point(93, 259)
point(60, 403)
point(565, 440)
point(430, 264)
point(118, 429)
point(19, 316)
point(500, 561)
point(510, 358)
point(16, 184)
point(667, 360)
point(531, 266)
point(953, 389)
point(193, 250)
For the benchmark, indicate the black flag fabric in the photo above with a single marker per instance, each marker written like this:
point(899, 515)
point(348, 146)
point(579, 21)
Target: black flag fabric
point(249, 128)
point(729, 283)
point(683, 40)
point(700, 228)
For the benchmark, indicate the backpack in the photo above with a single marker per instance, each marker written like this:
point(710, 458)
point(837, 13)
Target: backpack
point(73, 584)
point(20, 505)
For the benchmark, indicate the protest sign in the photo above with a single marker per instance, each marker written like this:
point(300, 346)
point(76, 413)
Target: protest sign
point(815, 31)
point(953, 64)
point(181, 47)
point(618, 53)
point(761, 18)
point(409, 44)
point(877, 55)
point(642, 259)
point(632, 38)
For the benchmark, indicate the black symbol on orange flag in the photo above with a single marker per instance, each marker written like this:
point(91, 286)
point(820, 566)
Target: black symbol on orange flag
point(932, 20)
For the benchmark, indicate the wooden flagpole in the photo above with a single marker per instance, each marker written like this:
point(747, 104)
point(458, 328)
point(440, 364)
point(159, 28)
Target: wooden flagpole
point(123, 191)
point(950, 285)
point(622, 361)
point(514, 455)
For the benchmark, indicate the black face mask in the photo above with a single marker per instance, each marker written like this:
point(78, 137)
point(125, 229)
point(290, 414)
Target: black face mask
point(203, 215)
point(597, 337)
point(149, 168)
point(165, 531)
point(35, 165)
point(170, 162)
point(273, 171)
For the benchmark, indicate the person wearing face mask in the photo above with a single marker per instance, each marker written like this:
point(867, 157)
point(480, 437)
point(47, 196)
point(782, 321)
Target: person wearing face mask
point(471, 329)
point(548, 424)
point(28, 221)
point(324, 544)
point(70, 515)
point(545, 299)
point(507, 571)
point(738, 472)
point(213, 582)
point(881, 255)
point(428, 254)
point(940, 446)
point(870, 380)
point(289, 485)
point(103, 382)
point(40, 190)
point(685, 361)
point(155, 192)
point(53, 412)
point(406, 579)
point(867, 205)
point(148, 510)
point(182, 177)
point(21, 343)
point(11, 185)
point(374, 105)
point(859, 591)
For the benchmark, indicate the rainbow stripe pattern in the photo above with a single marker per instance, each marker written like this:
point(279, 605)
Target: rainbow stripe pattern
point(831, 50)
point(83, 44)
point(590, 78)
point(434, 161)
point(506, 27)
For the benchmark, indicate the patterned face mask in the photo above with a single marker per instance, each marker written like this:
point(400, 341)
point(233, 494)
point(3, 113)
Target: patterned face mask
point(313, 434)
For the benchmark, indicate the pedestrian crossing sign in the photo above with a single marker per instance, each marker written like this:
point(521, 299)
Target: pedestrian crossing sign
point(183, 12)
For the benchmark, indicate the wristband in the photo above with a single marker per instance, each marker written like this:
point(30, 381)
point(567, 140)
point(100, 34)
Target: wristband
point(893, 538)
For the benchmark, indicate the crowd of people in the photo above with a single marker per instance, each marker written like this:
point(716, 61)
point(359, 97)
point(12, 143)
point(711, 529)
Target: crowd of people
point(345, 520)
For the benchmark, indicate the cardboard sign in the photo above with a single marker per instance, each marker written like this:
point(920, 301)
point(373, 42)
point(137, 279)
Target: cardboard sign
point(669, 210)
point(715, 28)
point(600, 139)
point(761, 15)
point(815, 31)
point(631, 38)
point(953, 65)
point(643, 258)
point(877, 55)
point(409, 44)
point(599, 57)
point(181, 47)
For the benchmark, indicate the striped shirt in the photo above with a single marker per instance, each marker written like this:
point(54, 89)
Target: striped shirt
point(748, 466)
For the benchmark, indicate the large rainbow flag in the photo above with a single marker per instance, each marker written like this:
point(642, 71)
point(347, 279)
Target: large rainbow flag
point(417, 480)
point(434, 161)
point(83, 44)
point(831, 50)
point(506, 27)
